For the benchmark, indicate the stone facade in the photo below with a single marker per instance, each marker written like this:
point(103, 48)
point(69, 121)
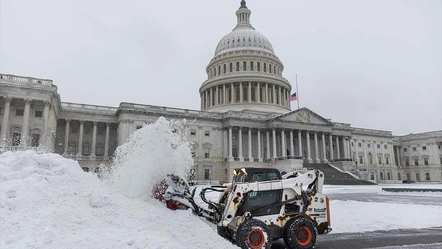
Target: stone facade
point(245, 121)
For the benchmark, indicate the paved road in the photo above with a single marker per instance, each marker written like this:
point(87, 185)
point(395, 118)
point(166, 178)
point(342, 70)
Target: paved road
point(402, 198)
point(430, 238)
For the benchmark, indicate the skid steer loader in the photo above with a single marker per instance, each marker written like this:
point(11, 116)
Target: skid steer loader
point(259, 206)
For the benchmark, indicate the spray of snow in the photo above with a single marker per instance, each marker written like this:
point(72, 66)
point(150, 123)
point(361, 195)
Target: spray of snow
point(148, 156)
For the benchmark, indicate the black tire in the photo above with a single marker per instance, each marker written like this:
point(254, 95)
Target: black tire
point(300, 233)
point(253, 234)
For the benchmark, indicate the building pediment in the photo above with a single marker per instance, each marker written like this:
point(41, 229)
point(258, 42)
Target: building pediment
point(303, 115)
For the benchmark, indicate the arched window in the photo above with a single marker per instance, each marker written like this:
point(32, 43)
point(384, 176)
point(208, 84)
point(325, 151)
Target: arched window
point(253, 97)
point(244, 66)
point(214, 71)
point(231, 67)
point(225, 68)
point(274, 69)
point(237, 66)
point(270, 68)
point(219, 70)
point(237, 93)
point(251, 66)
point(265, 68)
point(258, 66)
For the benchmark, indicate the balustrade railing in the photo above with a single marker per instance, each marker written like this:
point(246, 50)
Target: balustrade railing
point(25, 80)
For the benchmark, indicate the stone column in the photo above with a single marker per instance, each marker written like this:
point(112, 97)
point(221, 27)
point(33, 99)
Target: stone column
point(106, 142)
point(267, 93)
point(241, 158)
point(258, 93)
point(230, 144)
point(66, 136)
point(250, 145)
point(46, 122)
point(324, 151)
point(224, 94)
point(80, 138)
point(211, 98)
point(259, 146)
point(398, 156)
point(317, 160)
point(331, 147)
point(268, 144)
point(283, 140)
point(24, 131)
point(216, 96)
point(344, 143)
point(292, 150)
point(309, 155)
point(274, 143)
point(300, 143)
point(392, 161)
point(280, 95)
point(232, 90)
point(94, 138)
point(241, 93)
point(249, 93)
point(5, 121)
point(337, 147)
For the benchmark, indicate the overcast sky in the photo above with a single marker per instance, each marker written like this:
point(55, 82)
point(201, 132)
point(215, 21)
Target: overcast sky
point(371, 63)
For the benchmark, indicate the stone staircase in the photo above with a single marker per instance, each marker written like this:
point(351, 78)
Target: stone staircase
point(336, 177)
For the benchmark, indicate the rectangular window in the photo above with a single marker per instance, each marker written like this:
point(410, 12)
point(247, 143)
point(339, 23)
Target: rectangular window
point(360, 159)
point(379, 159)
point(16, 139)
point(38, 113)
point(35, 140)
point(206, 174)
point(416, 162)
point(86, 149)
point(426, 161)
point(399, 176)
point(359, 144)
point(379, 146)
point(385, 146)
point(387, 161)
point(424, 147)
point(207, 133)
point(408, 176)
point(382, 175)
point(427, 176)
point(19, 112)
point(405, 149)
point(407, 162)
point(418, 177)
point(100, 131)
point(388, 176)
point(139, 127)
point(207, 153)
point(193, 132)
point(414, 149)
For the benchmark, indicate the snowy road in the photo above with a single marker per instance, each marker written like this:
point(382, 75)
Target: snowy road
point(430, 238)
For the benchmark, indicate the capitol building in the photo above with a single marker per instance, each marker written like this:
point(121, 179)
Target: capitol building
point(245, 121)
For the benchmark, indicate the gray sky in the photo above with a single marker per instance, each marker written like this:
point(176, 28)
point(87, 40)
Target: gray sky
point(372, 63)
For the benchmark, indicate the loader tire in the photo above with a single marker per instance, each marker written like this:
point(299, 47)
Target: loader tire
point(253, 234)
point(300, 233)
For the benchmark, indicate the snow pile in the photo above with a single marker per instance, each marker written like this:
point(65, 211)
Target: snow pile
point(47, 201)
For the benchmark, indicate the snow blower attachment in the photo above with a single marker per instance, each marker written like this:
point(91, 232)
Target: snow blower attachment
point(260, 205)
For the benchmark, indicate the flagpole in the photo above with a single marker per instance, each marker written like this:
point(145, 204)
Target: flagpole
point(297, 91)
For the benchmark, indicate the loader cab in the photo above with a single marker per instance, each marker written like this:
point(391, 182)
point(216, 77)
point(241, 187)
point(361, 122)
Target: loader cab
point(259, 203)
point(255, 175)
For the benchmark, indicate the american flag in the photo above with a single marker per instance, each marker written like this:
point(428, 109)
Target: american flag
point(292, 97)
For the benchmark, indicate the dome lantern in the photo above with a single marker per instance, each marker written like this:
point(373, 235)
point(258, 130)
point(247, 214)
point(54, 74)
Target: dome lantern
point(243, 16)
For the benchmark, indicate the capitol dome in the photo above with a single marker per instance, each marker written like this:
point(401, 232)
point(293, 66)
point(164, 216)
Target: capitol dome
point(245, 74)
point(244, 38)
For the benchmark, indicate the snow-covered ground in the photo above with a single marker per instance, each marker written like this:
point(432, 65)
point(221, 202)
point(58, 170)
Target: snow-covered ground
point(47, 201)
